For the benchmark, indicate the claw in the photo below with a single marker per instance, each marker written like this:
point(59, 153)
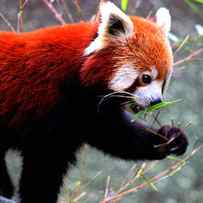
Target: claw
point(174, 149)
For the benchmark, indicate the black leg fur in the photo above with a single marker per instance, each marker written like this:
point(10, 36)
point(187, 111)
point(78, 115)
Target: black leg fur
point(118, 136)
point(42, 176)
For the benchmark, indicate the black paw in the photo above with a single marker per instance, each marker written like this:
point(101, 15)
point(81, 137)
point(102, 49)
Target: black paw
point(172, 140)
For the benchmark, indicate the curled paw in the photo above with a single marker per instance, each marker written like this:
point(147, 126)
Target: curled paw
point(172, 140)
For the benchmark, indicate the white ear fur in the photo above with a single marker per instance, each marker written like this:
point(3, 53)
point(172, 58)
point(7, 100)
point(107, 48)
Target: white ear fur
point(107, 11)
point(163, 19)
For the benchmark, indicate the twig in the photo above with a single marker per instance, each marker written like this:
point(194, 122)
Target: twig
point(80, 196)
point(7, 22)
point(20, 17)
point(108, 181)
point(57, 15)
point(189, 58)
point(185, 40)
point(66, 9)
point(164, 174)
point(22, 4)
point(78, 8)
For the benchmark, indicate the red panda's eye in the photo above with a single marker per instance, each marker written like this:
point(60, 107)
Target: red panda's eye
point(145, 79)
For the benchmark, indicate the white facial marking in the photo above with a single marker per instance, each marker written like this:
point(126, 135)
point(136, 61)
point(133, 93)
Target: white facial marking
point(123, 78)
point(108, 9)
point(146, 94)
point(154, 73)
point(163, 19)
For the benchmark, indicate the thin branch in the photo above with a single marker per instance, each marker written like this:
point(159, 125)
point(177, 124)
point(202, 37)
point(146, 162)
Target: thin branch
point(78, 8)
point(20, 17)
point(107, 190)
point(22, 4)
point(57, 15)
point(189, 58)
point(157, 178)
point(182, 44)
point(66, 9)
point(7, 22)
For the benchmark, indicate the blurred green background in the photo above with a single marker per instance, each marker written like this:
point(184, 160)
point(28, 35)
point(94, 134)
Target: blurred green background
point(93, 168)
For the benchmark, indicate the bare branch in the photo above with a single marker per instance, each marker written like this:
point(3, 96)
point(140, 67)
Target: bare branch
point(22, 4)
point(189, 58)
point(57, 15)
point(66, 9)
point(157, 178)
point(7, 22)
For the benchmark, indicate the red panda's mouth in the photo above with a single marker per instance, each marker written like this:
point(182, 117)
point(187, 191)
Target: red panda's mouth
point(119, 100)
point(137, 108)
point(134, 108)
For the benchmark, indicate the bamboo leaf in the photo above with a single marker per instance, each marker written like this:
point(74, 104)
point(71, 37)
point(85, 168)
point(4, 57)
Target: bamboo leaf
point(161, 105)
point(124, 5)
point(199, 1)
point(192, 5)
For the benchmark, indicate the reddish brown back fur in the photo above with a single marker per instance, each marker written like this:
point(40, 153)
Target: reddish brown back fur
point(34, 64)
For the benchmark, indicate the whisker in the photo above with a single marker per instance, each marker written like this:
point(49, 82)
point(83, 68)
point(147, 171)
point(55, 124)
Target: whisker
point(115, 94)
point(128, 102)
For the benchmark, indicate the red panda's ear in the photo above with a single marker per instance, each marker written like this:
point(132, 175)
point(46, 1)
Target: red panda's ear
point(163, 19)
point(113, 24)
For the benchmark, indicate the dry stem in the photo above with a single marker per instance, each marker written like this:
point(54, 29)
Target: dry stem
point(189, 57)
point(157, 178)
point(7, 22)
point(57, 15)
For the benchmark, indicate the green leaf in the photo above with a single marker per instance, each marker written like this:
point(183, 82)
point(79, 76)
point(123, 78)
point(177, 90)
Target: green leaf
point(161, 105)
point(124, 5)
point(199, 1)
point(192, 5)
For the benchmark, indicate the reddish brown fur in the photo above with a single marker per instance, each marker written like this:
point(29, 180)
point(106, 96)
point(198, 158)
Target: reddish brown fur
point(32, 66)
point(146, 49)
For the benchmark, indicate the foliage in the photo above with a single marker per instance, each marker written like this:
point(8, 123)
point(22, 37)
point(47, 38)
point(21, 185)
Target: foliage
point(195, 5)
point(124, 5)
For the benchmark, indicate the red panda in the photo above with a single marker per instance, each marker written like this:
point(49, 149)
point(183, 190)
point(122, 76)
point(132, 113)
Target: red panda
point(64, 86)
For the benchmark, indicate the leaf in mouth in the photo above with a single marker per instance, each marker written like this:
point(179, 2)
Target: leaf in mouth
point(159, 106)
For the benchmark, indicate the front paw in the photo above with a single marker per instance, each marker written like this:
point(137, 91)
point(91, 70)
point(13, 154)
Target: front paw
point(172, 140)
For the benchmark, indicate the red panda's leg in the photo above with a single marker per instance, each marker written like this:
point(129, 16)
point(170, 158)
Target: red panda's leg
point(42, 176)
point(120, 137)
point(6, 186)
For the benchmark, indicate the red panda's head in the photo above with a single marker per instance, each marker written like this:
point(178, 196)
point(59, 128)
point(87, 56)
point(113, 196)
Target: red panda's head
point(130, 54)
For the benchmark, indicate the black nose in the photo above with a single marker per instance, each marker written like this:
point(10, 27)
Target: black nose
point(156, 101)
